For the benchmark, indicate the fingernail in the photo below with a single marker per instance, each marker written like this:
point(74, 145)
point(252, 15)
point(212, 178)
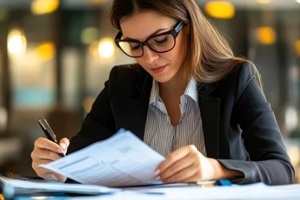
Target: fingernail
point(157, 172)
point(52, 178)
point(63, 145)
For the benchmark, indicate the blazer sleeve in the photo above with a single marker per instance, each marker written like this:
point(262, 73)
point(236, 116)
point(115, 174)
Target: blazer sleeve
point(269, 161)
point(119, 105)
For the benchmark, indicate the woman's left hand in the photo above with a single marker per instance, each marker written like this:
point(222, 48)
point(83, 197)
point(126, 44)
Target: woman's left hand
point(187, 164)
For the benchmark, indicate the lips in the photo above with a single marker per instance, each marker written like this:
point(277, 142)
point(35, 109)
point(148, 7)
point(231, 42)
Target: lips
point(158, 70)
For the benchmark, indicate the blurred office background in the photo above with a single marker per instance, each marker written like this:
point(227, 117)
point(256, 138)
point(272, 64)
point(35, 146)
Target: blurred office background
point(55, 56)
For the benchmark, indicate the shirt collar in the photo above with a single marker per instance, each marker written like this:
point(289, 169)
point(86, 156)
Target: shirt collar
point(191, 90)
point(154, 95)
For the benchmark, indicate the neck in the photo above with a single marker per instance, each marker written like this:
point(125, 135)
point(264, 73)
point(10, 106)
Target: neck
point(170, 94)
point(174, 88)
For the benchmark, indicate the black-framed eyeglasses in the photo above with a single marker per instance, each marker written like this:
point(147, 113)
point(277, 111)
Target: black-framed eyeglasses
point(160, 43)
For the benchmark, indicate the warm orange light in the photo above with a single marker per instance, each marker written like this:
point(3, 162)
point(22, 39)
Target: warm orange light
point(93, 49)
point(220, 9)
point(266, 35)
point(297, 47)
point(40, 7)
point(46, 50)
point(106, 48)
point(16, 42)
point(103, 48)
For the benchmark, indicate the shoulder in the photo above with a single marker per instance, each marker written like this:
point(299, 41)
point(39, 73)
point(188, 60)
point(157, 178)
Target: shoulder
point(128, 78)
point(127, 71)
point(243, 74)
point(243, 71)
point(236, 81)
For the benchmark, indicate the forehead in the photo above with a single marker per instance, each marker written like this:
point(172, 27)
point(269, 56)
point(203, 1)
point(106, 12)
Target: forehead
point(142, 24)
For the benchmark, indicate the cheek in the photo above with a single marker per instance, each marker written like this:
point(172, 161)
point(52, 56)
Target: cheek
point(182, 50)
point(140, 61)
point(177, 55)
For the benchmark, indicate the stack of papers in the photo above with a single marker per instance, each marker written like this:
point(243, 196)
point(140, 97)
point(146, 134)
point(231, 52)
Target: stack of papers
point(16, 187)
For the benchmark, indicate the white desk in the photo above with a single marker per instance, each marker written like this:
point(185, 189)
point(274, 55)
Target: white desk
point(247, 192)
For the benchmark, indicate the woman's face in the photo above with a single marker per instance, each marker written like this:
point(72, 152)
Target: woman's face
point(163, 67)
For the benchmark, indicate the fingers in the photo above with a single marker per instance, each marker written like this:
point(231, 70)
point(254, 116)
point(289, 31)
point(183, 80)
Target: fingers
point(47, 174)
point(46, 151)
point(181, 170)
point(64, 143)
point(175, 157)
point(182, 165)
point(45, 144)
point(60, 178)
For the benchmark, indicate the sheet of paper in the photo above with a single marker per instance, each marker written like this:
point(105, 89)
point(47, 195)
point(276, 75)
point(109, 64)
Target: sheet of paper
point(120, 160)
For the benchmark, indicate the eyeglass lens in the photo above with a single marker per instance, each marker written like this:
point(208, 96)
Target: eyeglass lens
point(160, 43)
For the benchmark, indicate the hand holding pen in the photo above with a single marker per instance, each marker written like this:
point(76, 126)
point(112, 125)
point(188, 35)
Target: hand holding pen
point(46, 151)
point(48, 132)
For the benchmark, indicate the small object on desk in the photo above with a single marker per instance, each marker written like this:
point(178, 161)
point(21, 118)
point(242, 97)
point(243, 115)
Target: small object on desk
point(48, 131)
point(204, 184)
point(223, 182)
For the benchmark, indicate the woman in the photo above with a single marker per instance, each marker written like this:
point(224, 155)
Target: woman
point(187, 97)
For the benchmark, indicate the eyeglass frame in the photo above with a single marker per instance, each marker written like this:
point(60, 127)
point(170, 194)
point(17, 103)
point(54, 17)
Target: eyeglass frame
point(175, 32)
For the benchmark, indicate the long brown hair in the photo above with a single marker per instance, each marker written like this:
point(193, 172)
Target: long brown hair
point(209, 56)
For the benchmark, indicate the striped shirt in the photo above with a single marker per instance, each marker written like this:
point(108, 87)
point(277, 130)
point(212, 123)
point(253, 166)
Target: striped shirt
point(161, 135)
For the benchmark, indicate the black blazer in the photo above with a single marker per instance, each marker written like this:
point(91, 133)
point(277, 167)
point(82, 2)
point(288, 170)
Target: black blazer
point(240, 129)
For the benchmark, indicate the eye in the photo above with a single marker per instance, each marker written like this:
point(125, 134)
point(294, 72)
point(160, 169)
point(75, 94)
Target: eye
point(134, 46)
point(160, 39)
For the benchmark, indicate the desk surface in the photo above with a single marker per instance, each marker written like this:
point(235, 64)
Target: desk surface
point(253, 191)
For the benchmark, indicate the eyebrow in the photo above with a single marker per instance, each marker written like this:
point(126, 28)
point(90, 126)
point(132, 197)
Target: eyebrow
point(152, 34)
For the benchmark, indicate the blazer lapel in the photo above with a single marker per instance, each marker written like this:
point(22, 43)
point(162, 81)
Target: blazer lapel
point(210, 114)
point(209, 108)
point(141, 103)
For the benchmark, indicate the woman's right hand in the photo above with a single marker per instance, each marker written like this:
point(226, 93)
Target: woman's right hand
point(46, 151)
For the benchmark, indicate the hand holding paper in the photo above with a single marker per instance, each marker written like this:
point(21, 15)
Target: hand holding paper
point(122, 160)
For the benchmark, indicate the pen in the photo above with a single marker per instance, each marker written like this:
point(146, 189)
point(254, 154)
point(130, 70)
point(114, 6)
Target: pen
point(48, 131)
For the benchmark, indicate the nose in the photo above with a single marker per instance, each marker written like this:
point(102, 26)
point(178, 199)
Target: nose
point(149, 55)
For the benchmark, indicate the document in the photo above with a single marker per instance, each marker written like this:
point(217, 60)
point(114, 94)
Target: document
point(121, 160)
